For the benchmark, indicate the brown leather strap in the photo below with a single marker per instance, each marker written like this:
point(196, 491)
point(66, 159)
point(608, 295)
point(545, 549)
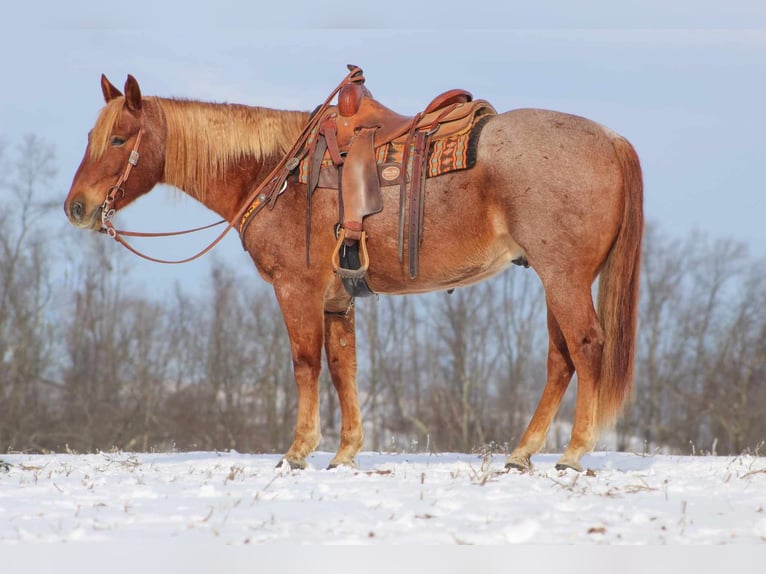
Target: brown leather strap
point(360, 183)
point(417, 185)
point(353, 230)
point(403, 185)
point(132, 249)
point(417, 188)
point(169, 233)
point(328, 130)
point(316, 153)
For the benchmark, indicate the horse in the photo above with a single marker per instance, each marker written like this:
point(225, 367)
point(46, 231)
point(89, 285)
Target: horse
point(560, 192)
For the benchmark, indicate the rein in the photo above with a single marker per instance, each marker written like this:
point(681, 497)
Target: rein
point(275, 182)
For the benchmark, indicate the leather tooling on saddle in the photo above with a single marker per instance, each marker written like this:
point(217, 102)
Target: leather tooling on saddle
point(360, 146)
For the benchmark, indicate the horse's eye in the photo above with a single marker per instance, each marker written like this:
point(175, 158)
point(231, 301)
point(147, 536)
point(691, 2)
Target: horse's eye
point(117, 141)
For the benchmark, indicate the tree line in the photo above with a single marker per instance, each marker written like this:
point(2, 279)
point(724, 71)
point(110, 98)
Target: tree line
point(89, 361)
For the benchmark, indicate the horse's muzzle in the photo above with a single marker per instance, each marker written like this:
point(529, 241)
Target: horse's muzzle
point(78, 216)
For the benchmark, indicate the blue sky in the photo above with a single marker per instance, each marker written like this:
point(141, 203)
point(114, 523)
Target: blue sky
point(683, 81)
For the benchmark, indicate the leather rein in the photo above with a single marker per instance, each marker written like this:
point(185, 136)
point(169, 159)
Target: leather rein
point(275, 182)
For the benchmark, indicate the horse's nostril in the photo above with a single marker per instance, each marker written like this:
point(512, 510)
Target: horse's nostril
point(77, 210)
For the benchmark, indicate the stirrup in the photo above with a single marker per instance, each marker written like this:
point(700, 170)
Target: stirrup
point(364, 259)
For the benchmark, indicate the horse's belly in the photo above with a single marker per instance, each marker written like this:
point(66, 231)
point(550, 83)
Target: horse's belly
point(484, 262)
point(465, 240)
point(464, 260)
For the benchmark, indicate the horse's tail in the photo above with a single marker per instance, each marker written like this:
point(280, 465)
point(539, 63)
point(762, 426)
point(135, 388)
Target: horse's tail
point(618, 291)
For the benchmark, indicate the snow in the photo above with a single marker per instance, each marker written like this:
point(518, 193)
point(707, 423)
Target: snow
point(389, 499)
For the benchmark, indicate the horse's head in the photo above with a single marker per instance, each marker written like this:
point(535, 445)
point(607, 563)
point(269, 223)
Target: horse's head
point(110, 175)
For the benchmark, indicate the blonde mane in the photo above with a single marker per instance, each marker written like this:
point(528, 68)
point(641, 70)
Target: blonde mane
point(204, 138)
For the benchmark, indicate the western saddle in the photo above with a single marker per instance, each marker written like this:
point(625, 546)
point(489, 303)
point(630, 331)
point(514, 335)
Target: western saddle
point(342, 155)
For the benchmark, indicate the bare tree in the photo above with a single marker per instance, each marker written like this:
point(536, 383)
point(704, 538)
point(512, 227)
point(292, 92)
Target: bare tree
point(735, 381)
point(519, 325)
point(25, 290)
point(660, 362)
point(700, 359)
point(395, 346)
point(98, 339)
point(232, 378)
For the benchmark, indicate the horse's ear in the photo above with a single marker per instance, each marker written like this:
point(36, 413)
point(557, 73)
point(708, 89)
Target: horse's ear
point(132, 94)
point(109, 91)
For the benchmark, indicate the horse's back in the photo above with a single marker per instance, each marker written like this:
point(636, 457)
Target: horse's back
point(546, 185)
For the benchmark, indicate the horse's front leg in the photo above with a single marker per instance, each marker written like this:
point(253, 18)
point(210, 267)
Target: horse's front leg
point(340, 346)
point(303, 313)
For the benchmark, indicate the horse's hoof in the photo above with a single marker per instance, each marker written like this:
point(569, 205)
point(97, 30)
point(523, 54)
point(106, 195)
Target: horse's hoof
point(566, 465)
point(292, 464)
point(341, 464)
point(520, 463)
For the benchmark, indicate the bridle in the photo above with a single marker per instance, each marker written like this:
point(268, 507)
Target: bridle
point(108, 211)
point(265, 194)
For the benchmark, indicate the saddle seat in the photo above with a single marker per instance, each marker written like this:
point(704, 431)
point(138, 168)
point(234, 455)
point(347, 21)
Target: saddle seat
point(357, 109)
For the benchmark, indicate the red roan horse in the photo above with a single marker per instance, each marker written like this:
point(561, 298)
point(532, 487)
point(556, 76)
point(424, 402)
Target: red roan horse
point(561, 191)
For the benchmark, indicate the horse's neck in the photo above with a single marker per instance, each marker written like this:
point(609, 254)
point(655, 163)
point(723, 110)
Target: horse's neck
point(219, 153)
point(226, 192)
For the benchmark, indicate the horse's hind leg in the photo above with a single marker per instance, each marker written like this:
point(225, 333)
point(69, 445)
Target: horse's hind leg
point(340, 347)
point(572, 305)
point(576, 340)
point(560, 369)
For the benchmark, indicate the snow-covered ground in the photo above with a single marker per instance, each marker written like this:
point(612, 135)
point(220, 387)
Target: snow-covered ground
point(403, 499)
